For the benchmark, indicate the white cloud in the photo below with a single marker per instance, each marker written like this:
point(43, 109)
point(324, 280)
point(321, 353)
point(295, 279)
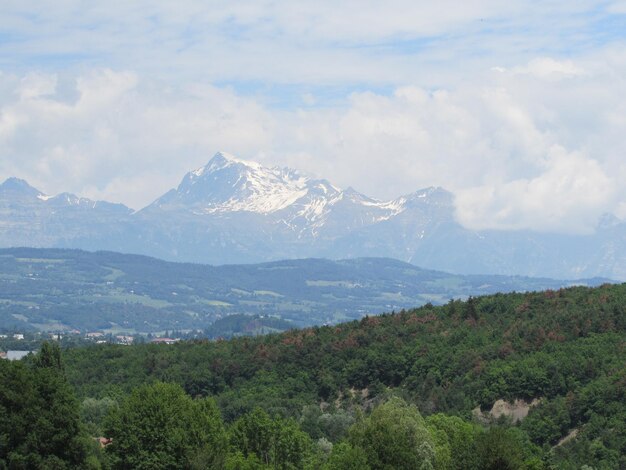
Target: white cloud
point(618, 7)
point(292, 42)
point(519, 153)
point(568, 195)
point(549, 68)
point(117, 131)
point(35, 85)
point(509, 104)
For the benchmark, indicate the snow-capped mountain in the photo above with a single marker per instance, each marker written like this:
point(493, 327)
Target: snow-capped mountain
point(237, 211)
point(291, 200)
point(229, 184)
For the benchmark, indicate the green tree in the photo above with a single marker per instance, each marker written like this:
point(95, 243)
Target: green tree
point(395, 436)
point(499, 449)
point(238, 461)
point(160, 427)
point(347, 457)
point(276, 442)
point(253, 433)
point(470, 312)
point(39, 415)
point(93, 413)
point(460, 436)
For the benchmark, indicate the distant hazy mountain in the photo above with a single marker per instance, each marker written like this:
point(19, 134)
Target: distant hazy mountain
point(56, 289)
point(30, 218)
point(234, 211)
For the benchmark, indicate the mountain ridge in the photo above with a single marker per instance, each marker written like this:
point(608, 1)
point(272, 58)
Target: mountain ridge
point(236, 211)
point(60, 289)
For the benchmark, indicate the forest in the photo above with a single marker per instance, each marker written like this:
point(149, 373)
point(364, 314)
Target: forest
point(408, 389)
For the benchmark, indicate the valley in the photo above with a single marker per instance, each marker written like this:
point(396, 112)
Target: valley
point(64, 290)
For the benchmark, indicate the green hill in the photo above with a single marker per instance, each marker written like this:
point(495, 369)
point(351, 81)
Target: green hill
point(563, 349)
point(56, 290)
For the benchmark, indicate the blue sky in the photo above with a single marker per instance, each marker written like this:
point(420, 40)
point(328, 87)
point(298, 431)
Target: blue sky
point(117, 100)
point(323, 45)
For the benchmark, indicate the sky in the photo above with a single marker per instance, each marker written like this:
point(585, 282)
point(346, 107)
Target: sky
point(517, 107)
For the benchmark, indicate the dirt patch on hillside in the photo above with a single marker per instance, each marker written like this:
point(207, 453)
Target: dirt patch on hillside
point(572, 434)
point(515, 411)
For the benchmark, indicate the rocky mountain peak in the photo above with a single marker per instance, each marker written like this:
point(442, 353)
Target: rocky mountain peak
point(223, 160)
point(19, 186)
point(227, 183)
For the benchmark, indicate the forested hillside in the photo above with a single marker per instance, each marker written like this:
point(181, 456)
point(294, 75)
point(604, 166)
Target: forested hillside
point(425, 388)
point(565, 348)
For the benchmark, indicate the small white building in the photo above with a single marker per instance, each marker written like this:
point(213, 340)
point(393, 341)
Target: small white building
point(164, 340)
point(16, 355)
point(123, 339)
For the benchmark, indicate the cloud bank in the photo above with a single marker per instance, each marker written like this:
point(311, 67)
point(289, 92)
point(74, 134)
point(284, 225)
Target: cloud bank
point(523, 118)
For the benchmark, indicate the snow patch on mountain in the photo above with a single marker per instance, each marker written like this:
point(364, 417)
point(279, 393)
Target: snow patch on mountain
point(258, 189)
point(262, 202)
point(230, 184)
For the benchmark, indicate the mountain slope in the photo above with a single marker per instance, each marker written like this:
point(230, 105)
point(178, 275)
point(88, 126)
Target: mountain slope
point(30, 218)
point(52, 289)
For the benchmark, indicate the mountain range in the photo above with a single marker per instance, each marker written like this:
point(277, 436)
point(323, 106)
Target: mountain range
point(237, 211)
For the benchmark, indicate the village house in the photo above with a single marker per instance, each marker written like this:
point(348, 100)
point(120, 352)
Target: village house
point(164, 340)
point(122, 339)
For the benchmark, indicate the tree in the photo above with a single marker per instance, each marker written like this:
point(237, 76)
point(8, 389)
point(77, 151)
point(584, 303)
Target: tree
point(469, 311)
point(238, 461)
point(277, 442)
point(39, 415)
point(460, 437)
point(346, 457)
point(160, 427)
point(395, 436)
point(49, 357)
point(498, 449)
point(93, 412)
